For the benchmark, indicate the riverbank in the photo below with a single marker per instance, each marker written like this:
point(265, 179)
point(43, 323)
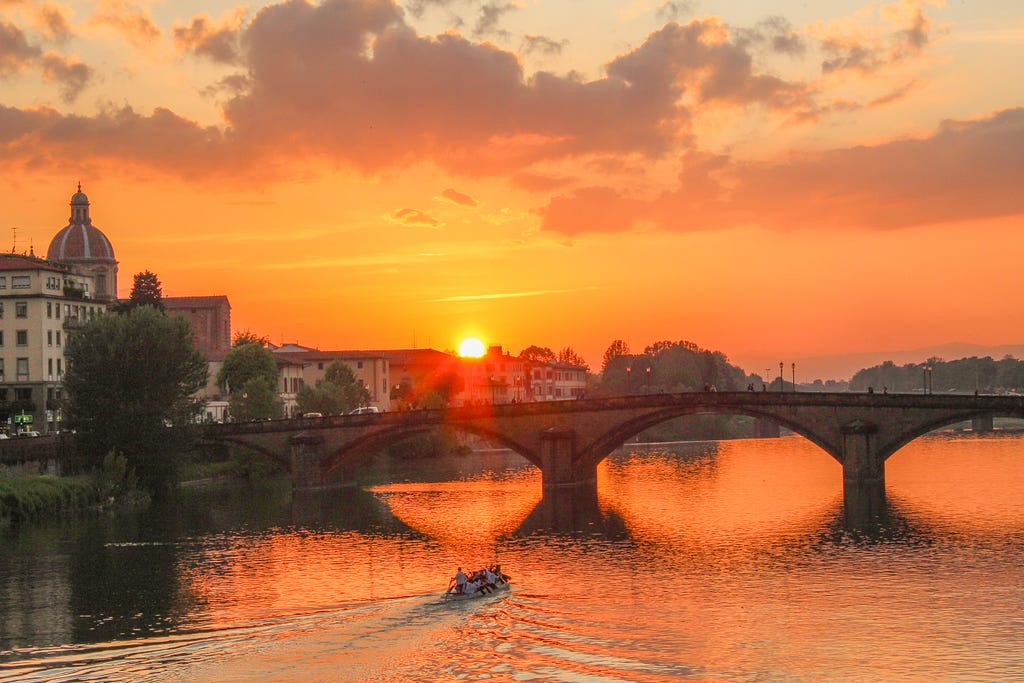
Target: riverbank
point(32, 497)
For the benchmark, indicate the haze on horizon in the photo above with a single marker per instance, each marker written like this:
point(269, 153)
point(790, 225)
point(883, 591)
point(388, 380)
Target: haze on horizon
point(813, 180)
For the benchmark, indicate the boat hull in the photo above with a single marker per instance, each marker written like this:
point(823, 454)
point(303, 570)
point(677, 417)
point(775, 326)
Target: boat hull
point(500, 588)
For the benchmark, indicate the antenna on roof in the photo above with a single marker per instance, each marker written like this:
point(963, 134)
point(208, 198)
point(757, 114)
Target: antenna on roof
point(14, 246)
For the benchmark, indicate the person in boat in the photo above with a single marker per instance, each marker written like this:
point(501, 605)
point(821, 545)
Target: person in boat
point(460, 580)
point(502, 577)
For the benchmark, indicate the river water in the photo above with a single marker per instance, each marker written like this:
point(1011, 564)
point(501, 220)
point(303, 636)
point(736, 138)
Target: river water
point(707, 561)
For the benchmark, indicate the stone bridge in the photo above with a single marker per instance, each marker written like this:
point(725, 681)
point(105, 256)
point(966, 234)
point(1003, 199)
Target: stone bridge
point(567, 439)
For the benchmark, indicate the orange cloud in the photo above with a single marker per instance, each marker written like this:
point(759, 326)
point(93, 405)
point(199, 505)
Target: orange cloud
point(130, 21)
point(964, 170)
point(457, 197)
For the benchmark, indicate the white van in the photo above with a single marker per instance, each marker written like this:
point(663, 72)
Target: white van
point(365, 410)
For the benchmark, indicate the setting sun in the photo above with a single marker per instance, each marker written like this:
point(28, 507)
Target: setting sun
point(471, 348)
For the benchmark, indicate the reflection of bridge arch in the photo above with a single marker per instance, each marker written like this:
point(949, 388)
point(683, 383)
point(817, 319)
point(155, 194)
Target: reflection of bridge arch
point(567, 439)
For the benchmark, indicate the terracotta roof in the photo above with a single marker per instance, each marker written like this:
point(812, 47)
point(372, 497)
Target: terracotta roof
point(23, 262)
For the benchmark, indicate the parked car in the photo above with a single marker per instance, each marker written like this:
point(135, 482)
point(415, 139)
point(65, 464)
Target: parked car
point(312, 415)
point(365, 410)
point(30, 433)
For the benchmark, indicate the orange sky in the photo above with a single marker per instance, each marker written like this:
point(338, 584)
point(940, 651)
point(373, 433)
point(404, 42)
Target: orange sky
point(352, 174)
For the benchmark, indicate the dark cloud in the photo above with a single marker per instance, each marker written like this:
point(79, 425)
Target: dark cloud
point(459, 198)
point(542, 45)
point(490, 16)
point(843, 54)
point(71, 75)
point(15, 51)
point(217, 43)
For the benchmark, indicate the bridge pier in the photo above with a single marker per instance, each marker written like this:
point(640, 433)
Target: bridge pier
point(863, 475)
point(981, 425)
point(559, 464)
point(307, 455)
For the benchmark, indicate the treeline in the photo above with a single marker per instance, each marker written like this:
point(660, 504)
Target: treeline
point(967, 375)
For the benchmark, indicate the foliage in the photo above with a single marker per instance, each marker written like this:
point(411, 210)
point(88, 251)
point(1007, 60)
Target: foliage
point(257, 399)
point(537, 354)
point(617, 350)
point(26, 498)
point(247, 337)
point(146, 291)
point(249, 377)
point(116, 477)
point(337, 393)
point(569, 357)
point(667, 367)
point(966, 375)
point(128, 378)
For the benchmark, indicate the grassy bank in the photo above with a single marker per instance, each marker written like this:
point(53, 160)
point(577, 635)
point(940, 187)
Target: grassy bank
point(26, 498)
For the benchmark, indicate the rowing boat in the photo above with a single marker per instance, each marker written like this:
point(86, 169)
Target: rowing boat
point(450, 594)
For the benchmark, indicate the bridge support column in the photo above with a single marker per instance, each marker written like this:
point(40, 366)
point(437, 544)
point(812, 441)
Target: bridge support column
point(766, 429)
point(863, 475)
point(982, 424)
point(558, 462)
point(307, 455)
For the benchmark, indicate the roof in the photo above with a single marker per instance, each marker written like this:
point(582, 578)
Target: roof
point(176, 302)
point(24, 262)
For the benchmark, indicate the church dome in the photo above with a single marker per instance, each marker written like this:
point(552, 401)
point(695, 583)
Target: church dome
point(80, 240)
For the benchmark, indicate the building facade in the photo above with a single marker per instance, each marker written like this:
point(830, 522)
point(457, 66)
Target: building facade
point(41, 304)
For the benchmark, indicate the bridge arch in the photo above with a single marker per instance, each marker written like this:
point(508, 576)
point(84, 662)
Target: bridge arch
point(274, 454)
point(620, 433)
point(359, 450)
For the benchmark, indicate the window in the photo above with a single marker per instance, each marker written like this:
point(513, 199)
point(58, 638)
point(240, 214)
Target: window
point(359, 364)
point(1, 337)
point(22, 373)
point(67, 310)
point(21, 337)
point(21, 282)
point(21, 309)
point(59, 369)
point(2, 391)
point(49, 337)
point(58, 337)
point(320, 365)
point(49, 367)
point(56, 313)
point(1, 310)
point(49, 309)
point(23, 394)
point(3, 282)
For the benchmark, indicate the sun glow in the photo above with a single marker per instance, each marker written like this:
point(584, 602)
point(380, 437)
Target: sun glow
point(471, 348)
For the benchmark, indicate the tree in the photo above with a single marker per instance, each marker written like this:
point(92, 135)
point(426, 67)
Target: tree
point(247, 337)
point(537, 354)
point(339, 392)
point(616, 349)
point(248, 376)
point(570, 357)
point(128, 378)
point(146, 291)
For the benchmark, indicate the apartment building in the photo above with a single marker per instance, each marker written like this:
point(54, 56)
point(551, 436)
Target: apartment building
point(41, 303)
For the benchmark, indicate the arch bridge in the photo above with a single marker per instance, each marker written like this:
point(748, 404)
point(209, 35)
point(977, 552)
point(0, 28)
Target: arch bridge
point(567, 439)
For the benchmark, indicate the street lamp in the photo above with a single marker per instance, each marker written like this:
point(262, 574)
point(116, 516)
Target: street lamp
point(794, 378)
point(927, 379)
point(782, 382)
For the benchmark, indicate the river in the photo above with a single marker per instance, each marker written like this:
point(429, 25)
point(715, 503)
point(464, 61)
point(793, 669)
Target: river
point(713, 561)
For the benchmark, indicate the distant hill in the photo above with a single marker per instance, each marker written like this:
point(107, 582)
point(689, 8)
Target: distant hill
point(843, 367)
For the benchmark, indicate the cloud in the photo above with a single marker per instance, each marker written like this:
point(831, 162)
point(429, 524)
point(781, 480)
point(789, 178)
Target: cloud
point(15, 51)
point(415, 218)
point(71, 75)
point(459, 198)
point(130, 21)
point(51, 21)
point(965, 169)
point(217, 41)
point(852, 47)
point(508, 295)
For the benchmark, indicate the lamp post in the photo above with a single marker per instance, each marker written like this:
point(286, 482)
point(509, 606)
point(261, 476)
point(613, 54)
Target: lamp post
point(648, 380)
point(782, 382)
point(927, 379)
point(794, 378)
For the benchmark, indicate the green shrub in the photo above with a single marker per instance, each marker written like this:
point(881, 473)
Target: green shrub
point(26, 498)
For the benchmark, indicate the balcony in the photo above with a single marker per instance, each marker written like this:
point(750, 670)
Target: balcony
point(73, 322)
